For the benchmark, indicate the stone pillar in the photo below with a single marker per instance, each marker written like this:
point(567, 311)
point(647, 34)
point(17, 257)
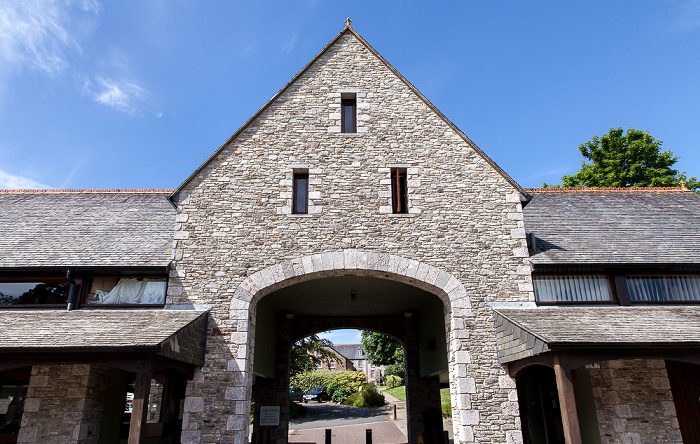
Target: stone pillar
point(423, 411)
point(64, 404)
point(275, 392)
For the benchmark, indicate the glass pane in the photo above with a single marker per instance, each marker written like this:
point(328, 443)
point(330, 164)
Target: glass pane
point(572, 289)
point(664, 288)
point(300, 198)
point(14, 392)
point(127, 291)
point(22, 293)
point(348, 118)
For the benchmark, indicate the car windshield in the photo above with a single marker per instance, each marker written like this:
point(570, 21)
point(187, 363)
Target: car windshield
point(316, 390)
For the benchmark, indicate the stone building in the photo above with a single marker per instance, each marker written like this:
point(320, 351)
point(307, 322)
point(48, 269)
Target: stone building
point(350, 201)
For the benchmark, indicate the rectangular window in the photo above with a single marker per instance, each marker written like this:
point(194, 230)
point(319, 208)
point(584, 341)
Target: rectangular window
point(331, 365)
point(108, 291)
point(572, 289)
point(664, 288)
point(34, 293)
point(348, 113)
point(300, 193)
point(399, 191)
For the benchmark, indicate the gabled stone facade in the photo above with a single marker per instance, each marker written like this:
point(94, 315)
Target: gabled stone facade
point(463, 236)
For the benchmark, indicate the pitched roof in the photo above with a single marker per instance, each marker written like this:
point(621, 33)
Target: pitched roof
point(349, 30)
point(614, 226)
point(527, 332)
point(176, 334)
point(349, 351)
point(62, 228)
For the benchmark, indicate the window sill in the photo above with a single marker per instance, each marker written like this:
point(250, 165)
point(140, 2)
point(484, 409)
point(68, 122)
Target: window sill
point(402, 215)
point(300, 215)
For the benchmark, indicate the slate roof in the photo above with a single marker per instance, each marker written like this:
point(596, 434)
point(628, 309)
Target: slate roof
point(177, 334)
point(52, 228)
point(349, 351)
point(614, 225)
point(526, 332)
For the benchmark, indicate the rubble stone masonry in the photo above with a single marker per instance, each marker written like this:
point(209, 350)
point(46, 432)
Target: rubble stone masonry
point(236, 239)
point(634, 402)
point(64, 400)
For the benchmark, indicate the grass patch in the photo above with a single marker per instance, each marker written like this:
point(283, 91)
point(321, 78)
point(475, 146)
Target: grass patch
point(397, 392)
point(445, 402)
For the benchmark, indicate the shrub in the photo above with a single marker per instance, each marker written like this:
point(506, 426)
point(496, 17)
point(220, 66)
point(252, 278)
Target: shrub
point(369, 397)
point(393, 381)
point(395, 370)
point(339, 385)
point(351, 399)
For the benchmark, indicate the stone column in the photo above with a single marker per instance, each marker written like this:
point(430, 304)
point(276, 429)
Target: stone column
point(275, 392)
point(64, 404)
point(422, 394)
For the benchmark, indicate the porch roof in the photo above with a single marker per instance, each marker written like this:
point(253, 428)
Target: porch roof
point(526, 332)
point(173, 334)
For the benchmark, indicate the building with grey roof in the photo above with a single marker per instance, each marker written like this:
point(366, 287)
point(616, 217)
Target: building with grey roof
point(349, 201)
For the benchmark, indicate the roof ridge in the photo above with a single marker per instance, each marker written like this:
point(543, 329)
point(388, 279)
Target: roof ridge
point(88, 191)
point(605, 189)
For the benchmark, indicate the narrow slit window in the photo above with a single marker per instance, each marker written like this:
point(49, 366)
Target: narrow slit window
point(399, 191)
point(300, 199)
point(348, 114)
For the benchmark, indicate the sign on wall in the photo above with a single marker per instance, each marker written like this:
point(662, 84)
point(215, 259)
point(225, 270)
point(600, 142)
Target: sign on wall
point(269, 416)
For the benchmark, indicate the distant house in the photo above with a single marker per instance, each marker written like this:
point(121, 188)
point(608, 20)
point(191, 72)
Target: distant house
point(357, 355)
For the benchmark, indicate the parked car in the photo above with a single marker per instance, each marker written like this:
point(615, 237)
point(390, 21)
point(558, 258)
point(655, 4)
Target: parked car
point(317, 394)
point(296, 394)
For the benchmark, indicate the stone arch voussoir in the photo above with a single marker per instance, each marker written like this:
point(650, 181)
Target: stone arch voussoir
point(352, 262)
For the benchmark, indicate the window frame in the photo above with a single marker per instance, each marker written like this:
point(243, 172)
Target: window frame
point(348, 101)
point(296, 177)
point(44, 280)
point(81, 297)
point(399, 190)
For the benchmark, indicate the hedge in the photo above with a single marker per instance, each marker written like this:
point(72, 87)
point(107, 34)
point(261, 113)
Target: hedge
point(339, 385)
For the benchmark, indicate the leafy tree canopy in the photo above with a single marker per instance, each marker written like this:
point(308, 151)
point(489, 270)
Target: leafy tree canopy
point(631, 159)
point(381, 349)
point(308, 353)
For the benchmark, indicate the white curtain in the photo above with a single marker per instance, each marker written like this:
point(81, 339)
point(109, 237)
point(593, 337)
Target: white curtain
point(134, 291)
point(572, 288)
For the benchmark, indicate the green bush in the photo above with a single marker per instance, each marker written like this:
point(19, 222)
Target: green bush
point(339, 385)
point(369, 397)
point(393, 381)
point(351, 399)
point(395, 370)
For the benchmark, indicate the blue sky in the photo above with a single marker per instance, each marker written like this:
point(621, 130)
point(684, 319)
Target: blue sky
point(137, 94)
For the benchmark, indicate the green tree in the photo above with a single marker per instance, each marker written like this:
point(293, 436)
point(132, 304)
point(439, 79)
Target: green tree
point(631, 159)
point(381, 349)
point(307, 353)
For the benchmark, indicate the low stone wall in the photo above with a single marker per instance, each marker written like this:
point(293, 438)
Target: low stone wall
point(634, 402)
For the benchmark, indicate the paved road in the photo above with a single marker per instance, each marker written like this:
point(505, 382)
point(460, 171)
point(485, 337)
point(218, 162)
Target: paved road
point(327, 415)
point(348, 425)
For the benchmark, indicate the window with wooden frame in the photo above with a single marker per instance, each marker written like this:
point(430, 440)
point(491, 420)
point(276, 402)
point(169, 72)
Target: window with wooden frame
point(399, 191)
point(300, 193)
point(348, 113)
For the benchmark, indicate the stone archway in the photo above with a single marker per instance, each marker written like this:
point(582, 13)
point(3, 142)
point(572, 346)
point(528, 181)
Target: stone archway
point(353, 262)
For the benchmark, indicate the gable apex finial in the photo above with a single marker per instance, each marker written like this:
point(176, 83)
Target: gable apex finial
point(347, 22)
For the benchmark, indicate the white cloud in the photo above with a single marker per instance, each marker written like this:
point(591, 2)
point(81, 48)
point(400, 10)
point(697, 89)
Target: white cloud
point(36, 33)
point(121, 95)
point(13, 182)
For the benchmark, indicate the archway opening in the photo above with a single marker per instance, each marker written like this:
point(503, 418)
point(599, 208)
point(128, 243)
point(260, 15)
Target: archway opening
point(414, 316)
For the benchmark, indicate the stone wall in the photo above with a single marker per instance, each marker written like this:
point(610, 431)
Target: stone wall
point(464, 223)
point(64, 404)
point(634, 402)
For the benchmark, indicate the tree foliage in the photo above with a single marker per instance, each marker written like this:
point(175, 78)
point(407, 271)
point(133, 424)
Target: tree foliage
point(631, 159)
point(381, 349)
point(308, 353)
